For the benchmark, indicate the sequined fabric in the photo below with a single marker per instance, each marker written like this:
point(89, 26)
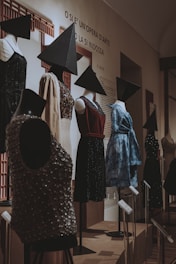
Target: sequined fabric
point(42, 205)
point(66, 101)
point(151, 173)
point(12, 82)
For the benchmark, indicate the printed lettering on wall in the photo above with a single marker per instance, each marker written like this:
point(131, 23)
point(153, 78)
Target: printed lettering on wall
point(91, 31)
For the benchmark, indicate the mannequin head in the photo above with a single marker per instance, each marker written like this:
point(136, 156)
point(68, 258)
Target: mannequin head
point(30, 103)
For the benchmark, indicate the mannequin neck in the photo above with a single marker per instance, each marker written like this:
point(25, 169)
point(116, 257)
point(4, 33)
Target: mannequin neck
point(12, 41)
point(89, 95)
point(121, 103)
point(11, 38)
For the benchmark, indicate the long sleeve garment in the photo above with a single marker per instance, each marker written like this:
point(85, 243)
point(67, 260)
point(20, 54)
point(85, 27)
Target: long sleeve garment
point(123, 154)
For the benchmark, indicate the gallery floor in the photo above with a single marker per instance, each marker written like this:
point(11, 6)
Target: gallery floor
point(111, 250)
point(98, 247)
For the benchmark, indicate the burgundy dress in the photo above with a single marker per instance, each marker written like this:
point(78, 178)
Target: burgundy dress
point(90, 162)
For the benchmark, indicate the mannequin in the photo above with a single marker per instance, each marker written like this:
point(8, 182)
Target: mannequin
point(12, 70)
point(35, 155)
point(90, 164)
point(122, 153)
point(59, 101)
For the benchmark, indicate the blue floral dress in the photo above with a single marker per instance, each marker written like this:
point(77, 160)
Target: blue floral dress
point(122, 154)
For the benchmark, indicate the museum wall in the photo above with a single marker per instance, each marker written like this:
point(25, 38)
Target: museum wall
point(106, 36)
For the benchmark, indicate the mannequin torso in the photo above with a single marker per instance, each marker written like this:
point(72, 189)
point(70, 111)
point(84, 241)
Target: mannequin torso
point(8, 46)
point(79, 103)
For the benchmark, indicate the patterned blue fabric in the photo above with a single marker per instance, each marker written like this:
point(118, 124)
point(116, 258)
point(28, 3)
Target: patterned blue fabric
point(123, 154)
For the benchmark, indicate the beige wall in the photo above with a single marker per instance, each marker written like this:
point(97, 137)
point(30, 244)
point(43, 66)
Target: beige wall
point(120, 37)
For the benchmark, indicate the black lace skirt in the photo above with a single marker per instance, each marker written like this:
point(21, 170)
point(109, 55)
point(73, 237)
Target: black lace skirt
point(90, 170)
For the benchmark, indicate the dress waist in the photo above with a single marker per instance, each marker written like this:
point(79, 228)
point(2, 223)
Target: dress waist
point(94, 135)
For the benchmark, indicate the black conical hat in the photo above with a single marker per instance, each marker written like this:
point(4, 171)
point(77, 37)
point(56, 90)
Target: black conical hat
point(19, 27)
point(89, 81)
point(125, 89)
point(62, 51)
point(32, 101)
point(151, 123)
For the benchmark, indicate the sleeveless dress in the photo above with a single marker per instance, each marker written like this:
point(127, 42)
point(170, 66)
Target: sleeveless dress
point(42, 207)
point(122, 154)
point(12, 82)
point(90, 162)
point(151, 172)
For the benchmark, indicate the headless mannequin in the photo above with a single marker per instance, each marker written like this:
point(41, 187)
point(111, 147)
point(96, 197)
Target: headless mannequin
point(8, 46)
point(79, 103)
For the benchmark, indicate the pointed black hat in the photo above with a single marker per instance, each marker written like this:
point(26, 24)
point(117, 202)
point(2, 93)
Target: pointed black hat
point(30, 101)
point(62, 51)
point(151, 123)
point(89, 81)
point(125, 89)
point(19, 27)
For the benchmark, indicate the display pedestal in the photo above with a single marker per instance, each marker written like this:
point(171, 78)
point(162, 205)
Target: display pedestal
point(80, 249)
point(127, 210)
point(118, 233)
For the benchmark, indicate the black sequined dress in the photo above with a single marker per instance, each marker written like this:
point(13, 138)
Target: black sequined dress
point(151, 173)
point(12, 82)
point(42, 208)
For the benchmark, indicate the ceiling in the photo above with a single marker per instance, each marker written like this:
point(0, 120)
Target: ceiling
point(154, 20)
